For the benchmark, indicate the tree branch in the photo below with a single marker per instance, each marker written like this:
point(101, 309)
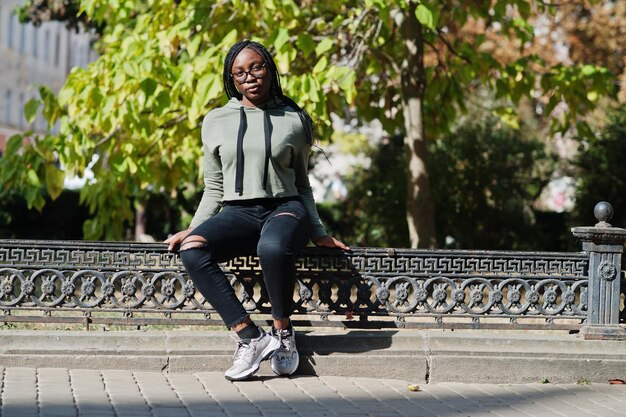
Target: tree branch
point(441, 36)
point(109, 136)
point(440, 62)
point(549, 4)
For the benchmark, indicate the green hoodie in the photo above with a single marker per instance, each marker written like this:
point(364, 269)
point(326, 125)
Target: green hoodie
point(269, 146)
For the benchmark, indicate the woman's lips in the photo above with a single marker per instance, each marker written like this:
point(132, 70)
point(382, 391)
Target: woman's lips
point(253, 89)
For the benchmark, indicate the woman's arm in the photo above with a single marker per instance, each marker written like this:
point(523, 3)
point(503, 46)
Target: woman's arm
point(213, 179)
point(212, 194)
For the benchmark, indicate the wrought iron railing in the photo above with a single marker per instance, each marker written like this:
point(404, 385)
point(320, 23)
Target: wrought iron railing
point(142, 284)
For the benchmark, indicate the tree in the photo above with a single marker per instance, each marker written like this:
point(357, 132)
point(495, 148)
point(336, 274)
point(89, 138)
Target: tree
point(376, 202)
point(430, 57)
point(410, 64)
point(488, 178)
point(601, 173)
point(596, 33)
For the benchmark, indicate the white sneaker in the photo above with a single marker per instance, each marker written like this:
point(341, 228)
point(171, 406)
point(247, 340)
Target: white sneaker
point(286, 359)
point(250, 354)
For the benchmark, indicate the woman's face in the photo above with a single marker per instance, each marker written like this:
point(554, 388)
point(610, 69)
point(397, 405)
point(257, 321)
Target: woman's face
point(251, 77)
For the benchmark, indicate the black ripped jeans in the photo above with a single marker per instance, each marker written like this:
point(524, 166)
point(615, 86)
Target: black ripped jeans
point(275, 229)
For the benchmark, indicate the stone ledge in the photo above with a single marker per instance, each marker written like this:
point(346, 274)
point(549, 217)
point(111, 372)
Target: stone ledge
point(420, 356)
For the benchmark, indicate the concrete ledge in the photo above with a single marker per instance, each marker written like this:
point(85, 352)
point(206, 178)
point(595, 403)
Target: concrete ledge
point(422, 356)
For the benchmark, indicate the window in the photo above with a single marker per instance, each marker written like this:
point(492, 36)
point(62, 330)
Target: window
point(22, 37)
point(57, 48)
point(20, 111)
point(9, 104)
point(46, 48)
point(82, 60)
point(35, 32)
point(11, 29)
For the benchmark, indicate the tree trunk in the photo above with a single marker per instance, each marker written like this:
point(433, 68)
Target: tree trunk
point(140, 221)
point(420, 208)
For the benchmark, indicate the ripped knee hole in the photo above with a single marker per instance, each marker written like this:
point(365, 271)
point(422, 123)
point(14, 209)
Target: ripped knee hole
point(287, 214)
point(193, 243)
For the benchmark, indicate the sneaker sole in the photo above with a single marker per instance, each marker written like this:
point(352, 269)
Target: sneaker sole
point(267, 353)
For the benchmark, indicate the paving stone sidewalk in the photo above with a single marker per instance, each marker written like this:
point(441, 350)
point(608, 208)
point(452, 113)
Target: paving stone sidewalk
point(57, 392)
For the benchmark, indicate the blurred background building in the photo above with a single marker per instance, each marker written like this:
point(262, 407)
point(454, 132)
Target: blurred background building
point(33, 56)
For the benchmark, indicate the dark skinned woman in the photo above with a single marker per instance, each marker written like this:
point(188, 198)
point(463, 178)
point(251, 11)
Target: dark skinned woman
point(257, 199)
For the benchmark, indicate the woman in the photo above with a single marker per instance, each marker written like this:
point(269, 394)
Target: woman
point(257, 198)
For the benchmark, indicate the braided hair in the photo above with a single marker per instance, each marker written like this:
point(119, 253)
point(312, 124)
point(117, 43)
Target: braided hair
point(275, 87)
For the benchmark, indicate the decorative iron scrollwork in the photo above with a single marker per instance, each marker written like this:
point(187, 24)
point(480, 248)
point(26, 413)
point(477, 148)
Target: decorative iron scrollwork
point(368, 283)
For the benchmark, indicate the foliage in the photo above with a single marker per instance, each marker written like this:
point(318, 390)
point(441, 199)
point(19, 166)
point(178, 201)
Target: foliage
point(601, 172)
point(485, 178)
point(139, 106)
point(484, 181)
point(596, 32)
point(376, 200)
point(31, 167)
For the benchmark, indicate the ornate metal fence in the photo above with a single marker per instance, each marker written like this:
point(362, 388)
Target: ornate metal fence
point(141, 284)
point(385, 288)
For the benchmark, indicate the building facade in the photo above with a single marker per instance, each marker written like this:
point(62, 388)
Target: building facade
point(29, 57)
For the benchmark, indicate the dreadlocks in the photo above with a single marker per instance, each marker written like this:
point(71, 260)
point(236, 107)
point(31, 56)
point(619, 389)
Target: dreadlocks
point(275, 87)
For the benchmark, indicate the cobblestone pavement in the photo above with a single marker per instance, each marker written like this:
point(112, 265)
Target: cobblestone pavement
point(54, 392)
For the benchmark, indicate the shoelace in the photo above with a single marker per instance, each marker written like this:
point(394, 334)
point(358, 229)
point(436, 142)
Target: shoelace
point(284, 336)
point(240, 351)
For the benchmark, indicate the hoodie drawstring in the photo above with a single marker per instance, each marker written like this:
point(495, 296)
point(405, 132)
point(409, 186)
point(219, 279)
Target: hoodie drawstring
point(268, 146)
point(243, 125)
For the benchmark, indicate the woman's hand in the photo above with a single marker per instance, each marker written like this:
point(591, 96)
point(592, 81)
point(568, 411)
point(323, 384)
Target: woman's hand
point(177, 239)
point(330, 242)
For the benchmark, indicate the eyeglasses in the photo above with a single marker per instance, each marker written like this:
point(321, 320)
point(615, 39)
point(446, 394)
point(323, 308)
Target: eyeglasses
point(257, 71)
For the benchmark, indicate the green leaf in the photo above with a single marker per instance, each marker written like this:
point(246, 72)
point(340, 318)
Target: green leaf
point(321, 65)
point(325, 45)
point(202, 89)
point(13, 145)
point(33, 179)
point(285, 58)
point(499, 9)
point(65, 95)
point(148, 86)
point(162, 102)
point(281, 38)
point(96, 97)
point(425, 16)
point(376, 3)
point(87, 7)
point(230, 38)
point(306, 44)
point(30, 110)
point(313, 91)
point(54, 180)
point(348, 87)
point(588, 70)
point(132, 166)
point(524, 8)
point(193, 45)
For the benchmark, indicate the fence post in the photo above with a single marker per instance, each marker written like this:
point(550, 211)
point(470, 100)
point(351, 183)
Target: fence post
point(605, 245)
